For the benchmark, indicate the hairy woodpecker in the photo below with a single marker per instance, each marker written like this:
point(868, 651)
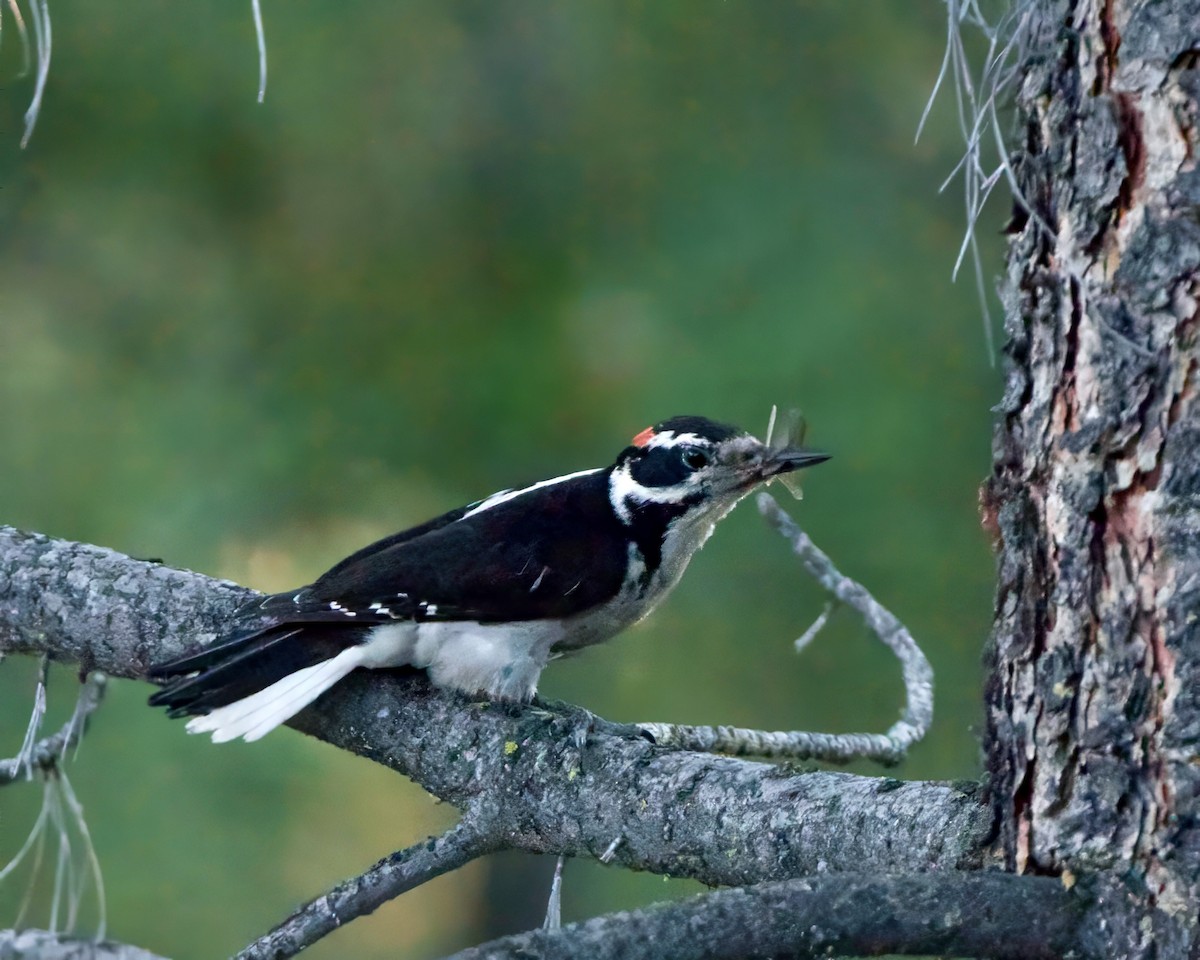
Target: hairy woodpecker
point(483, 596)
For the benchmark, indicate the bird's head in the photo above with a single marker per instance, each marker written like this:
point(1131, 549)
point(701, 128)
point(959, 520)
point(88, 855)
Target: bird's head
point(698, 467)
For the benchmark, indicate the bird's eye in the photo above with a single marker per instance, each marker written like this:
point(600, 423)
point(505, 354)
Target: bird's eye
point(695, 458)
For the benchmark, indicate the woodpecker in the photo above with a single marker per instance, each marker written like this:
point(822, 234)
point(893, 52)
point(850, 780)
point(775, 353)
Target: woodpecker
point(484, 596)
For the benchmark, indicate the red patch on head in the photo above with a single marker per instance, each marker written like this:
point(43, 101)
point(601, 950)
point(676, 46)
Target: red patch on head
point(643, 438)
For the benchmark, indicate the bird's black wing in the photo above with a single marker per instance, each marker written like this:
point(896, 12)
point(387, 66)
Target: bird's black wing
point(550, 551)
point(412, 533)
point(275, 622)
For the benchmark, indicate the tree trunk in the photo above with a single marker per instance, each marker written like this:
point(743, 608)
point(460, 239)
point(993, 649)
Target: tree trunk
point(1093, 699)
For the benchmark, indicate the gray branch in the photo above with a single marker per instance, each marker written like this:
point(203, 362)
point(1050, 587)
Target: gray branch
point(392, 876)
point(890, 747)
point(549, 778)
point(43, 945)
point(992, 915)
point(720, 820)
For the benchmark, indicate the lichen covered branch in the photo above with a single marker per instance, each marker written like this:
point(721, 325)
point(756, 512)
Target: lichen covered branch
point(548, 778)
point(717, 819)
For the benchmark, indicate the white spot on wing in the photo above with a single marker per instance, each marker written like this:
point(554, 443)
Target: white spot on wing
point(538, 582)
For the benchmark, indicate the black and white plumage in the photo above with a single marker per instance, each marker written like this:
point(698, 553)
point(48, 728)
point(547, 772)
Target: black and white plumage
point(483, 596)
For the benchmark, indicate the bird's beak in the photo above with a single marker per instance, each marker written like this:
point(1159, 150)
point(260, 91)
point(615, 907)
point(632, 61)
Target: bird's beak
point(789, 459)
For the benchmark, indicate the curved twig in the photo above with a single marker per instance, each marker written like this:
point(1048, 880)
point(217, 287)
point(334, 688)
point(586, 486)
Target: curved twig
point(889, 747)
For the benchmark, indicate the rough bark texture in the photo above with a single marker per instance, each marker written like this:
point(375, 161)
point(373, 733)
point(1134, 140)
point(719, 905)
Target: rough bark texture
point(717, 819)
point(1093, 696)
point(987, 914)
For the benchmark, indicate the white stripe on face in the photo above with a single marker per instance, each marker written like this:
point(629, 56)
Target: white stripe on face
point(622, 488)
point(669, 438)
point(505, 495)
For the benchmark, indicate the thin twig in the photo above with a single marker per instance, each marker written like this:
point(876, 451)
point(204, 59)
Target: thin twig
point(468, 840)
point(23, 32)
point(554, 905)
point(890, 747)
point(47, 752)
point(39, 13)
point(261, 39)
point(90, 869)
point(809, 635)
point(38, 714)
point(61, 810)
point(977, 110)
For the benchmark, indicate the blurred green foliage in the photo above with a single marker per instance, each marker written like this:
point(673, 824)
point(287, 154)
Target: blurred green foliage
point(464, 245)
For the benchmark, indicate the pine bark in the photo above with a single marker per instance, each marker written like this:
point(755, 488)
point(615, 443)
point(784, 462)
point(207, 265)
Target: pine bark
point(1093, 698)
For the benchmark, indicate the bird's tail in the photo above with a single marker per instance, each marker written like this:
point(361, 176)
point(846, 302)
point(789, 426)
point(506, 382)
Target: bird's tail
point(249, 684)
point(257, 715)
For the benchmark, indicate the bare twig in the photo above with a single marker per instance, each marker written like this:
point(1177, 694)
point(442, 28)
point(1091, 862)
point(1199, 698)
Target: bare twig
point(977, 106)
point(39, 13)
point(554, 904)
point(22, 31)
point(963, 915)
point(22, 760)
point(835, 747)
point(72, 878)
point(61, 814)
point(45, 753)
point(468, 840)
point(261, 39)
point(809, 635)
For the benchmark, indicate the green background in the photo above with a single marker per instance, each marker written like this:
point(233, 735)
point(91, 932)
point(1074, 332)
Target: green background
point(465, 245)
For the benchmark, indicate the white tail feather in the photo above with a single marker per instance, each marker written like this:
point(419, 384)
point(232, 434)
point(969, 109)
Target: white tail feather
point(257, 715)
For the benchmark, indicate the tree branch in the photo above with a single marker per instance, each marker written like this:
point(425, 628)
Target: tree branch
point(717, 819)
point(44, 945)
point(466, 841)
point(550, 778)
point(993, 915)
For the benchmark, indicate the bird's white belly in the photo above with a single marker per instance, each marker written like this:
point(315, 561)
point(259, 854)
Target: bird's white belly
point(502, 660)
